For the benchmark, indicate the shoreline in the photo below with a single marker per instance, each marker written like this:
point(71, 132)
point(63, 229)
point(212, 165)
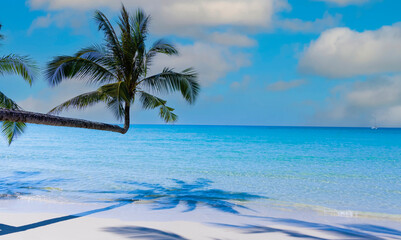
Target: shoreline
point(23, 219)
point(260, 205)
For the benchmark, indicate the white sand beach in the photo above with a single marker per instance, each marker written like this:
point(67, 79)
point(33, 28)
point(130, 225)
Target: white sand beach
point(104, 229)
point(21, 219)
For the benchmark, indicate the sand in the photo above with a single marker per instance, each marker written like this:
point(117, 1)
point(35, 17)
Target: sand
point(46, 220)
point(105, 229)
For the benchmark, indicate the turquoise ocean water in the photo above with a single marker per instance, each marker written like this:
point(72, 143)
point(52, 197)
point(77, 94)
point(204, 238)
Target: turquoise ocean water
point(355, 169)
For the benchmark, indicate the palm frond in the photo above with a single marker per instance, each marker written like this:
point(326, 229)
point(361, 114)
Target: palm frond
point(118, 94)
point(166, 113)
point(12, 130)
point(94, 51)
point(163, 46)
point(151, 102)
point(101, 55)
point(110, 35)
point(140, 23)
point(116, 106)
point(124, 23)
point(128, 43)
point(20, 65)
point(7, 103)
point(169, 81)
point(138, 34)
point(118, 90)
point(80, 102)
point(160, 46)
point(85, 65)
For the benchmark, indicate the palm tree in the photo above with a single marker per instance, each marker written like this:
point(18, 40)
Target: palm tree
point(23, 66)
point(122, 64)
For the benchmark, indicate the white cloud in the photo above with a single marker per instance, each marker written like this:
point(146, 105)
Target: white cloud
point(241, 85)
point(376, 93)
point(61, 19)
point(219, 12)
point(316, 26)
point(195, 19)
point(364, 102)
point(344, 2)
point(231, 39)
point(390, 116)
point(283, 85)
point(341, 52)
point(40, 22)
point(179, 13)
point(210, 61)
point(198, 19)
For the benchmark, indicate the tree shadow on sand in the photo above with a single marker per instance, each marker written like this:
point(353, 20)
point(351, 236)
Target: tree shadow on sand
point(191, 195)
point(8, 229)
point(350, 231)
point(135, 232)
point(258, 229)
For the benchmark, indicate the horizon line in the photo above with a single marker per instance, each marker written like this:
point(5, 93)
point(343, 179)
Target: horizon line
point(245, 125)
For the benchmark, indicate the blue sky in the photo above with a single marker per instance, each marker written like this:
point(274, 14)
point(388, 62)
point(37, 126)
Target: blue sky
point(261, 62)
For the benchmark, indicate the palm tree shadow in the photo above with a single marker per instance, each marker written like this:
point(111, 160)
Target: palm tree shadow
point(7, 229)
point(351, 231)
point(191, 195)
point(144, 233)
point(258, 229)
point(376, 229)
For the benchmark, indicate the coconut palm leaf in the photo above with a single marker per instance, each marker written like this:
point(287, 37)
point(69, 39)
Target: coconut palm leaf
point(113, 43)
point(12, 130)
point(166, 113)
point(170, 81)
point(117, 108)
point(140, 23)
point(80, 102)
point(7, 103)
point(117, 90)
point(22, 66)
point(160, 46)
point(150, 102)
point(85, 65)
point(119, 94)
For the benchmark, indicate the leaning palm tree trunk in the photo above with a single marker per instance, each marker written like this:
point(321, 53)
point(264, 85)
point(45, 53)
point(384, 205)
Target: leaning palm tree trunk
point(51, 120)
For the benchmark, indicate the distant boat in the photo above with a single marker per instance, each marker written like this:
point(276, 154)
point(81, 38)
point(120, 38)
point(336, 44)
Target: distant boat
point(374, 127)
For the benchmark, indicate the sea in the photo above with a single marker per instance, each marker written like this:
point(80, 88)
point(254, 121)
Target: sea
point(342, 170)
